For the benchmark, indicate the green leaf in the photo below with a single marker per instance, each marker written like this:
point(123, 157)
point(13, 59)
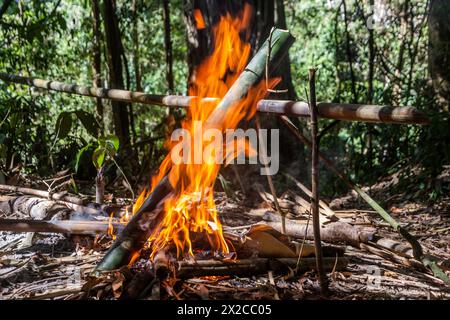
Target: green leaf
point(113, 140)
point(98, 157)
point(79, 154)
point(88, 121)
point(226, 186)
point(110, 144)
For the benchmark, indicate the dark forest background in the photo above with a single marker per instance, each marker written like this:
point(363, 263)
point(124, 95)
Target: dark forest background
point(376, 51)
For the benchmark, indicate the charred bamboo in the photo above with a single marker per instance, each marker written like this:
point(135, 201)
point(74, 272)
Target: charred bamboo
point(327, 110)
point(137, 231)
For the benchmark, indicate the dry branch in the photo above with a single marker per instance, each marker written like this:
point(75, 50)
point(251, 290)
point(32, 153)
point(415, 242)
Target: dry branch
point(340, 111)
point(61, 196)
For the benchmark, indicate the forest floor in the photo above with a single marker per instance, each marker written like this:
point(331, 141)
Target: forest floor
point(55, 266)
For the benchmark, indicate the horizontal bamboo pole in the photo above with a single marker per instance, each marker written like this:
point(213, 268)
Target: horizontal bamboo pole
point(338, 111)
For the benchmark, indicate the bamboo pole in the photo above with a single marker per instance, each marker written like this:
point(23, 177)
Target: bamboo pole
point(315, 183)
point(137, 231)
point(326, 110)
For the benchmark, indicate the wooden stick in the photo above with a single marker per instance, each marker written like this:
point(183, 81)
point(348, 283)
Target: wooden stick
point(315, 183)
point(327, 110)
point(188, 269)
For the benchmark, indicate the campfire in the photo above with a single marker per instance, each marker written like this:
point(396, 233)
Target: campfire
point(186, 205)
point(173, 229)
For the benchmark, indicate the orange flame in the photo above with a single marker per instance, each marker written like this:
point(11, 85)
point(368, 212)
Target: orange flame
point(192, 207)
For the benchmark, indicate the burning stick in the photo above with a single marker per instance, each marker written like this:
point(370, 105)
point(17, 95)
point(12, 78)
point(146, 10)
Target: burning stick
point(143, 223)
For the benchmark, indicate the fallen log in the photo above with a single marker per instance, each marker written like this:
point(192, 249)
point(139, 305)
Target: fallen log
point(249, 267)
point(137, 231)
point(326, 110)
point(333, 232)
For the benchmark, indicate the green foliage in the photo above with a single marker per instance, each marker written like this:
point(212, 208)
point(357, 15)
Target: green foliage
point(47, 132)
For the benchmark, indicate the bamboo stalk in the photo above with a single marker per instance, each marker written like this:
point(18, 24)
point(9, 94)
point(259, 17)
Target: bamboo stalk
point(326, 110)
point(315, 183)
point(137, 231)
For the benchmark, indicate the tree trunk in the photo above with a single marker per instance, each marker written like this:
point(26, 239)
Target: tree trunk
point(137, 69)
point(97, 58)
point(114, 50)
point(439, 49)
point(168, 46)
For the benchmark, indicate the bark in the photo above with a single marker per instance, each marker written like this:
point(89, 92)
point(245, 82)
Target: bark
point(337, 111)
point(439, 49)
